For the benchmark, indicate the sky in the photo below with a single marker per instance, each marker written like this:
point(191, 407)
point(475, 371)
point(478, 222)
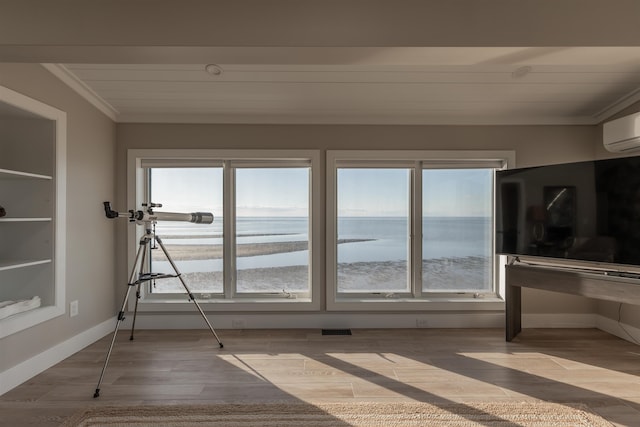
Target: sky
point(361, 191)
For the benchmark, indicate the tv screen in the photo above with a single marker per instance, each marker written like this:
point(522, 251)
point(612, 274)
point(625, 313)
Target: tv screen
point(584, 211)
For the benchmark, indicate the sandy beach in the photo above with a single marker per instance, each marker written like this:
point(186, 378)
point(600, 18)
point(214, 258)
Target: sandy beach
point(386, 276)
point(199, 252)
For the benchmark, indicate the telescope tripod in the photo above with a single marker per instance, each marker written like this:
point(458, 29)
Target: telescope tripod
point(137, 271)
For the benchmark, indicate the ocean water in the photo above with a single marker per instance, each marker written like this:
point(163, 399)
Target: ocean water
point(457, 253)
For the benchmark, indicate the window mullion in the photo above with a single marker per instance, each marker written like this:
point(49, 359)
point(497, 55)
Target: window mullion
point(416, 235)
point(146, 262)
point(229, 231)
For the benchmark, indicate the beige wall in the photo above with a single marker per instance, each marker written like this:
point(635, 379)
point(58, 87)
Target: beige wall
point(534, 145)
point(90, 254)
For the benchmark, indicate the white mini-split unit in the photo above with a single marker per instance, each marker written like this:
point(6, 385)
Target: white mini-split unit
point(622, 135)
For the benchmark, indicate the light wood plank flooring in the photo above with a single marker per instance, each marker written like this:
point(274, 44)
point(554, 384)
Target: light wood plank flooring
point(433, 365)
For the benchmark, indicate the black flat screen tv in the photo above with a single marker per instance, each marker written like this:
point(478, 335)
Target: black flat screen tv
point(583, 211)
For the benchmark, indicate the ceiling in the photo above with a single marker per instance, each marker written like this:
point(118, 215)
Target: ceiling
point(426, 85)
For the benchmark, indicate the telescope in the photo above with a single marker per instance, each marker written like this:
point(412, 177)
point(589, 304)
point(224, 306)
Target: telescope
point(147, 215)
point(138, 275)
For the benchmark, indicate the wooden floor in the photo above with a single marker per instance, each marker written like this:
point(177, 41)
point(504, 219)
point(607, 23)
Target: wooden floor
point(433, 365)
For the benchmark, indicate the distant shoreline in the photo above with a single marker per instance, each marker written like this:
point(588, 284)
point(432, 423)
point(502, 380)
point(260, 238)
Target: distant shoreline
point(201, 252)
point(219, 235)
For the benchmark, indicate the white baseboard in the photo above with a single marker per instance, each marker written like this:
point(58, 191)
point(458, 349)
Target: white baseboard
point(611, 326)
point(318, 320)
point(22, 372)
point(621, 330)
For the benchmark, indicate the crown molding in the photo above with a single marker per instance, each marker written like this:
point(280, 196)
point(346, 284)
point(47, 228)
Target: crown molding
point(327, 119)
point(78, 86)
point(617, 106)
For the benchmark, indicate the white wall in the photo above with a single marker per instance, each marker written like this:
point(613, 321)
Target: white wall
point(90, 255)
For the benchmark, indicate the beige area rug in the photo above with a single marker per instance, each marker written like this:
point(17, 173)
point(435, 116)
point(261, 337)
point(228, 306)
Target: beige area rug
point(341, 415)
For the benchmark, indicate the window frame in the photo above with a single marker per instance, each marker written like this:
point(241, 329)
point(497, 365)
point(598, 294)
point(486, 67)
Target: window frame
point(231, 283)
point(417, 160)
point(140, 159)
point(383, 164)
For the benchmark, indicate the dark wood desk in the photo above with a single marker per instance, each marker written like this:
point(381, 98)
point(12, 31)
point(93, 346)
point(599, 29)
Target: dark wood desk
point(589, 284)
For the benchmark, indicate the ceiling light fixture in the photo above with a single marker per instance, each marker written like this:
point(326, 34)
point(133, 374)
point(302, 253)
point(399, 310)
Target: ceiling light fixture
point(213, 69)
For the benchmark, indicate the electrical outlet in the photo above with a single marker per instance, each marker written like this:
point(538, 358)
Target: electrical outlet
point(73, 308)
point(237, 324)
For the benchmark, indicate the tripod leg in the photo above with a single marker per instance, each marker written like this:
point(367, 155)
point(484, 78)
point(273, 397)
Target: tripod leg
point(113, 340)
point(191, 297)
point(132, 282)
point(135, 311)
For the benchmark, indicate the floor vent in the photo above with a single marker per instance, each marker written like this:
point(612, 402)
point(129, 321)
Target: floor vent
point(336, 332)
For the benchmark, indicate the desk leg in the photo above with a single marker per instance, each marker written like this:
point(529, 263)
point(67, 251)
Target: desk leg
point(513, 306)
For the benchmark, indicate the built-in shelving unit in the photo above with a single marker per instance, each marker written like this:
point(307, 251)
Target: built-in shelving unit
point(32, 192)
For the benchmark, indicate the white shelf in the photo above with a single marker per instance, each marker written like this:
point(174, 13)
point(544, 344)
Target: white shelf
point(13, 264)
point(33, 192)
point(16, 307)
point(11, 174)
point(5, 219)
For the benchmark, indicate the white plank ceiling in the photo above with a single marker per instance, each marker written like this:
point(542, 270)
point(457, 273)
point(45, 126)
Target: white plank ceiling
point(394, 86)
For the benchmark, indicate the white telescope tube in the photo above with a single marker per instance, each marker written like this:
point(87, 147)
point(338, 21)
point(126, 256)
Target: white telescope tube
point(195, 217)
point(148, 215)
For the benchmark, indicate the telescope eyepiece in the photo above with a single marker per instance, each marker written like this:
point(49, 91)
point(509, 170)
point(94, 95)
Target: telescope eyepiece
point(108, 211)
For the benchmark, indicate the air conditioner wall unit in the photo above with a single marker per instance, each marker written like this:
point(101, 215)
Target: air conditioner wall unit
point(622, 135)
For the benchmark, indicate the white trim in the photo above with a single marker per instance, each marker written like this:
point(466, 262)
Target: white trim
point(22, 372)
point(619, 329)
point(447, 157)
point(319, 119)
point(617, 106)
point(582, 320)
point(309, 158)
point(241, 304)
point(318, 321)
point(60, 226)
point(33, 106)
point(407, 158)
point(424, 303)
point(26, 320)
point(81, 88)
point(18, 322)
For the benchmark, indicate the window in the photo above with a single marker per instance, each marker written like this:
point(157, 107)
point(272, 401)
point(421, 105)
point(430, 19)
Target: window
point(407, 227)
point(373, 230)
point(260, 247)
point(195, 248)
point(272, 230)
point(402, 230)
point(457, 230)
